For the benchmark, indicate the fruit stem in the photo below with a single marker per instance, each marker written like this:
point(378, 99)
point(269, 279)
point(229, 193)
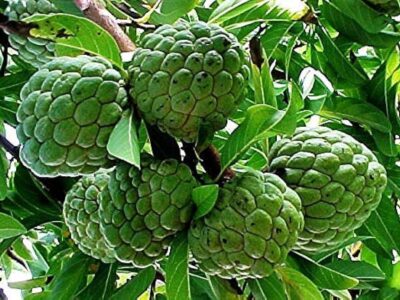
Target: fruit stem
point(211, 162)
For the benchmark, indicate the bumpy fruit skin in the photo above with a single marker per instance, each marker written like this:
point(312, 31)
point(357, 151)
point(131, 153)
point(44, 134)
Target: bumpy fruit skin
point(338, 179)
point(81, 214)
point(69, 108)
point(391, 7)
point(188, 76)
point(143, 209)
point(251, 229)
point(34, 51)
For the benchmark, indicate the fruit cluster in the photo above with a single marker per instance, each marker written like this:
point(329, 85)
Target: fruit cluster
point(185, 78)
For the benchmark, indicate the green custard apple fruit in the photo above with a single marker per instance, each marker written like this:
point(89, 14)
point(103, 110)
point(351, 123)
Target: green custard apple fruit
point(141, 210)
point(34, 51)
point(338, 179)
point(68, 110)
point(188, 76)
point(254, 224)
point(391, 7)
point(81, 214)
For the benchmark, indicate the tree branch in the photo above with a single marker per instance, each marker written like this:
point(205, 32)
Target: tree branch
point(10, 148)
point(96, 12)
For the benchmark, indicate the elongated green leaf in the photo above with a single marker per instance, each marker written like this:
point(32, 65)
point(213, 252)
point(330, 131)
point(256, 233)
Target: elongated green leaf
point(299, 286)
point(10, 227)
point(274, 35)
point(356, 110)
point(29, 284)
point(339, 62)
point(66, 284)
point(259, 118)
point(76, 35)
point(222, 288)
point(323, 276)
point(200, 288)
point(370, 20)
point(385, 141)
point(355, 31)
point(177, 269)
point(11, 85)
point(136, 286)
point(3, 167)
point(232, 8)
point(124, 142)
point(170, 12)
point(383, 224)
point(267, 288)
point(205, 197)
point(358, 269)
point(102, 285)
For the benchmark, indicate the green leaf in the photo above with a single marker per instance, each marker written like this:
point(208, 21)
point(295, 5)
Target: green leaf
point(29, 284)
point(11, 85)
point(357, 111)
point(223, 289)
point(385, 141)
point(102, 285)
point(323, 276)
point(272, 37)
point(177, 269)
point(383, 224)
point(136, 286)
point(124, 142)
point(205, 197)
point(370, 20)
point(298, 286)
point(267, 288)
point(233, 8)
point(354, 31)
point(10, 227)
point(3, 167)
point(170, 11)
point(201, 289)
point(339, 62)
point(8, 110)
point(264, 92)
point(76, 35)
point(73, 274)
point(358, 269)
point(259, 118)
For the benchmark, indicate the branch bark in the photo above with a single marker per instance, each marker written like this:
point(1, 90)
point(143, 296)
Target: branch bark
point(211, 162)
point(10, 148)
point(96, 12)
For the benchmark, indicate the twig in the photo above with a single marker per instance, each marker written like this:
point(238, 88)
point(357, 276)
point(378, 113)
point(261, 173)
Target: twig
point(9, 147)
point(211, 162)
point(13, 256)
point(98, 14)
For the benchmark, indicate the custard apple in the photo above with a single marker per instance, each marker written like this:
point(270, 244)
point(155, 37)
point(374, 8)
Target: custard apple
point(251, 229)
point(69, 108)
point(81, 214)
point(188, 76)
point(391, 7)
point(34, 51)
point(141, 210)
point(338, 179)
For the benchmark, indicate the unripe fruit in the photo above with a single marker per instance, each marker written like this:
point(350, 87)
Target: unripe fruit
point(141, 210)
point(81, 214)
point(188, 76)
point(68, 111)
point(251, 229)
point(338, 179)
point(34, 51)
